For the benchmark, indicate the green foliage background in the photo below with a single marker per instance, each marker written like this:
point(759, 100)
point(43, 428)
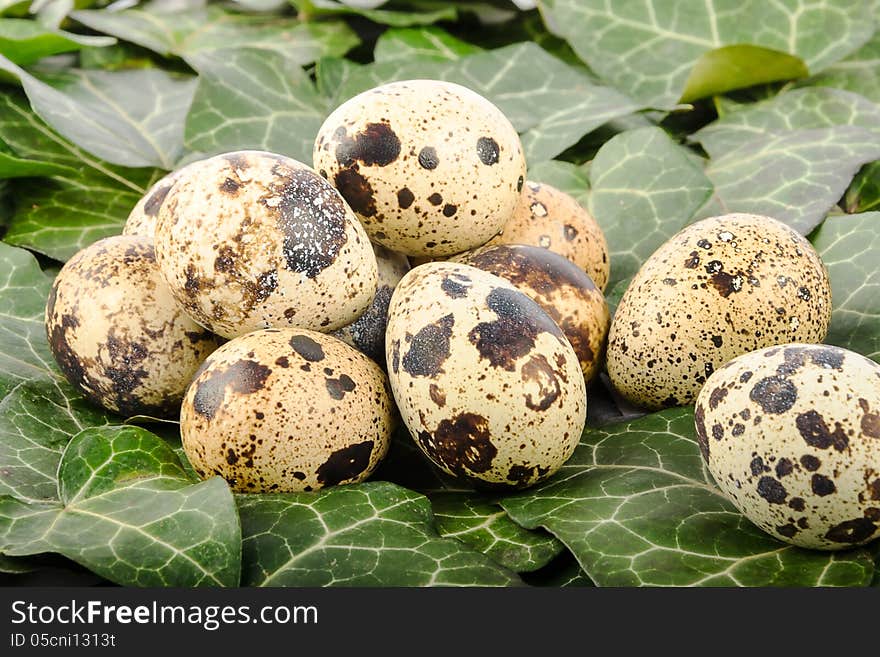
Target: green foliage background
point(652, 114)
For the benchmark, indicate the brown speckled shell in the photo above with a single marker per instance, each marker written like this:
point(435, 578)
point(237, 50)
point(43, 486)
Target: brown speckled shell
point(287, 410)
point(792, 436)
point(144, 216)
point(560, 287)
point(486, 383)
point(252, 240)
point(553, 220)
point(367, 332)
point(718, 289)
point(431, 168)
point(118, 334)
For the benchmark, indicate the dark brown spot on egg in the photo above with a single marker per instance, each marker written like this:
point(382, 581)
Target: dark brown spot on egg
point(816, 432)
point(356, 190)
point(569, 232)
point(693, 261)
point(435, 199)
point(455, 285)
point(521, 475)
point(405, 198)
point(193, 282)
point(870, 424)
point(772, 490)
point(230, 186)
point(346, 463)
point(774, 394)
point(395, 356)
point(243, 377)
point(437, 395)
point(539, 372)
point(429, 348)
point(784, 467)
point(829, 357)
point(157, 197)
point(461, 445)
point(856, 530)
point(519, 183)
point(449, 210)
point(822, 485)
point(337, 388)
point(702, 437)
point(716, 397)
point(428, 158)
point(513, 334)
point(717, 432)
point(797, 504)
point(810, 462)
point(488, 150)
point(787, 530)
point(310, 216)
point(726, 283)
point(757, 466)
point(376, 144)
point(307, 348)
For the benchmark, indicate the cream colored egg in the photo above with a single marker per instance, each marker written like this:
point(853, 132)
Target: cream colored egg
point(431, 168)
point(367, 332)
point(792, 436)
point(117, 333)
point(252, 240)
point(287, 410)
point(718, 289)
point(560, 287)
point(143, 217)
point(486, 382)
point(553, 220)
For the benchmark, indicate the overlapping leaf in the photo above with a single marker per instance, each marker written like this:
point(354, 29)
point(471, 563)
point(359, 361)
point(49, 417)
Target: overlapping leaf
point(253, 99)
point(425, 43)
point(372, 534)
point(398, 17)
point(130, 118)
point(129, 512)
point(864, 192)
point(25, 41)
point(85, 199)
point(860, 72)
point(644, 189)
point(192, 33)
point(795, 176)
point(636, 506)
point(849, 246)
point(552, 104)
point(649, 49)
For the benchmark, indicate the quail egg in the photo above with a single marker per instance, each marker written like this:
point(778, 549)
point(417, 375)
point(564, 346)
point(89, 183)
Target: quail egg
point(553, 220)
point(486, 382)
point(367, 332)
point(287, 410)
point(431, 168)
point(252, 240)
point(117, 333)
point(720, 288)
point(792, 436)
point(560, 287)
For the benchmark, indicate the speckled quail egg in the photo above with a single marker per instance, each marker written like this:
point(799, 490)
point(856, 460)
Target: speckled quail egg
point(720, 288)
point(287, 410)
point(553, 220)
point(143, 217)
point(560, 287)
point(367, 332)
point(792, 436)
point(251, 240)
point(117, 333)
point(431, 168)
point(486, 382)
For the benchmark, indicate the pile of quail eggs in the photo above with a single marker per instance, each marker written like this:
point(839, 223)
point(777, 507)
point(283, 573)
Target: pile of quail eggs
point(272, 307)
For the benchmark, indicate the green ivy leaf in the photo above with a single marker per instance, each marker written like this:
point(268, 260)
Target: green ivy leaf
point(482, 524)
point(397, 17)
point(403, 44)
point(649, 53)
point(372, 534)
point(253, 99)
point(860, 72)
point(130, 118)
point(864, 192)
point(188, 34)
point(129, 512)
point(564, 176)
point(39, 410)
point(645, 188)
point(549, 102)
point(86, 198)
point(636, 506)
point(564, 571)
point(24, 41)
point(736, 67)
point(795, 176)
point(849, 245)
point(798, 109)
